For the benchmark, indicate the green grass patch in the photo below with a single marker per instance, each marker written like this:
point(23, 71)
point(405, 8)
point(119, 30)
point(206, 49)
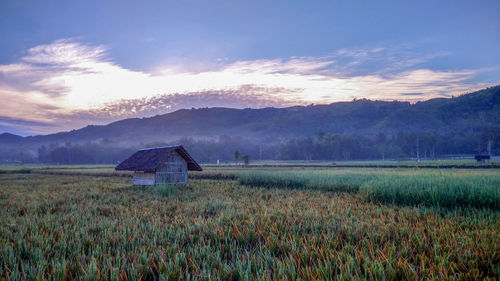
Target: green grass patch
point(437, 191)
point(323, 181)
point(445, 189)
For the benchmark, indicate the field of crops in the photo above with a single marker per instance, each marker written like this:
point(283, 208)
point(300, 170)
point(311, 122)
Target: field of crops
point(251, 224)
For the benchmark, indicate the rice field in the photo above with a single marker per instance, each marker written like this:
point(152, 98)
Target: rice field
point(448, 189)
point(252, 224)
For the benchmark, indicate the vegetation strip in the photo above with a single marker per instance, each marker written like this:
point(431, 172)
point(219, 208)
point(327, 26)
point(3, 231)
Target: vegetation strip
point(441, 189)
point(387, 166)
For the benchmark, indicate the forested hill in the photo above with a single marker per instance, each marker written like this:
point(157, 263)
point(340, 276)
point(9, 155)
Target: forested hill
point(474, 111)
point(461, 119)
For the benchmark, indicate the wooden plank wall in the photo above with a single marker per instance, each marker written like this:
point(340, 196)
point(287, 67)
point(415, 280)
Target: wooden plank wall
point(174, 171)
point(141, 178)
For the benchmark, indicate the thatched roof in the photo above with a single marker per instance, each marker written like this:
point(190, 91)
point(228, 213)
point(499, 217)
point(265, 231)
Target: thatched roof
point(148, 159)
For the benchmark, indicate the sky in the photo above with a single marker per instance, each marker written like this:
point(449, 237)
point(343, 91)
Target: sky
point(68, 64)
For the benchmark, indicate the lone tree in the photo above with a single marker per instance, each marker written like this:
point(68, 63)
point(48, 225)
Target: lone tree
point(246, 159)
point(236, 155)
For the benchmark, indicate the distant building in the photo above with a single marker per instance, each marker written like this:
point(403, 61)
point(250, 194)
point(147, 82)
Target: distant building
point(160, 165)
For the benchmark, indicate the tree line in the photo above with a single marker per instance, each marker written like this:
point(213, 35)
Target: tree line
point(320, 146)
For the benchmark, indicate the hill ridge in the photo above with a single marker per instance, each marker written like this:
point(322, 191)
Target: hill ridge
point(466, 112)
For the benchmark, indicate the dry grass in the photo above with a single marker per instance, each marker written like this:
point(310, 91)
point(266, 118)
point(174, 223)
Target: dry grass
point(58, 227)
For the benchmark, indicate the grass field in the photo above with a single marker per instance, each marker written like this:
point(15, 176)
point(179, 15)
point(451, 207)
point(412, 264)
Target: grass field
point(88, 223)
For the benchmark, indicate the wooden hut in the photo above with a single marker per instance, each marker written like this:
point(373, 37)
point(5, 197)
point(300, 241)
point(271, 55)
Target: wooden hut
point(160, 165)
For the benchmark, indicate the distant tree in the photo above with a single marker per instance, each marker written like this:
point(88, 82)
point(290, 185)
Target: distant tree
point(236, 155)
point(246, 160)
point(43, 154)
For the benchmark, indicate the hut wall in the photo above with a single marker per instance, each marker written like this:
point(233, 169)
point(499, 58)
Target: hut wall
point(173, 171)
point(142, 178)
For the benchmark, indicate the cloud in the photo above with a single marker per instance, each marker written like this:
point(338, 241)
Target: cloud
point(4, 120)
point(381, 60)
point(65, 52)
point(245, 96)
point(71, 84)
point(412, 94)
point(20, 126)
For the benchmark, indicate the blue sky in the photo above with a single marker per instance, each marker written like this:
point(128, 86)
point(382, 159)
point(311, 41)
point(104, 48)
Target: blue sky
point(66, 64)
